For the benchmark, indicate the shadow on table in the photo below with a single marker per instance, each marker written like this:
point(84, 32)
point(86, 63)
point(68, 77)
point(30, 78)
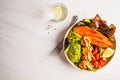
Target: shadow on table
point(58, 50)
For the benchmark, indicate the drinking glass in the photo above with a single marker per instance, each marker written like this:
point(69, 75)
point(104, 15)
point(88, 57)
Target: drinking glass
point(59, 12)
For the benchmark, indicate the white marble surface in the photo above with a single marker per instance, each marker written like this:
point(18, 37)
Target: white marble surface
point(25, 45)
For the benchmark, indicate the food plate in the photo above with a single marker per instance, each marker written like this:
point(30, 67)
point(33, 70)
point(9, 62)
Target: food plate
point(90, 44)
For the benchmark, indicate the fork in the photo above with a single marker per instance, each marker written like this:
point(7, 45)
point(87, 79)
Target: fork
point(59, 46)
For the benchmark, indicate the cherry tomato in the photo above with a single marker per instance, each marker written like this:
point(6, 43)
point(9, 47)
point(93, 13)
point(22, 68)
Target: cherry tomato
point(95, 63)
point(95, 50)
point(93, 59)
point(98, 66)
point(101, 62)
point(97, 56)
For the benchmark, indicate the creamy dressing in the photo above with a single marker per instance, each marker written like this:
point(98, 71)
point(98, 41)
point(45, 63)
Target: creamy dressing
point(59, 12)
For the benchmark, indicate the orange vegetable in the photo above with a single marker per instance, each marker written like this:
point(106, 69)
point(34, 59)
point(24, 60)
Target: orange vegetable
point(97, 38)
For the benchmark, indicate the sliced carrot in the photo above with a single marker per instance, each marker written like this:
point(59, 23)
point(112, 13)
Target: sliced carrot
point(97, 38)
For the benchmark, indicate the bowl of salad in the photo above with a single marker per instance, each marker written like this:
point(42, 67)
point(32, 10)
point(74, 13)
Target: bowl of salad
point(90, 44)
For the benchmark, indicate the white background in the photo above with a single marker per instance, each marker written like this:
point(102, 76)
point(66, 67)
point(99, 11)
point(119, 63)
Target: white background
point(26, 45)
